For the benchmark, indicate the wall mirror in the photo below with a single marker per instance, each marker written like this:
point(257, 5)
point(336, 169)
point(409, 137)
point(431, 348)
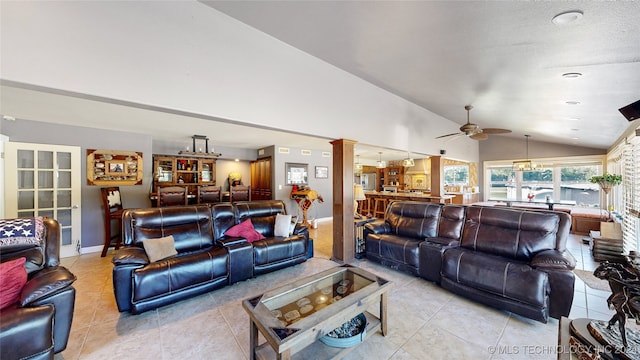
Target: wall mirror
point(297, 174)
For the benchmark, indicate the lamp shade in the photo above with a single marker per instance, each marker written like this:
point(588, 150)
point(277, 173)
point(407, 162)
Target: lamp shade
point(358, 192)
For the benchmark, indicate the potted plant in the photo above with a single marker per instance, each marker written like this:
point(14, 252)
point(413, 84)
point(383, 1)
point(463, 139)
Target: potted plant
point(606, 182)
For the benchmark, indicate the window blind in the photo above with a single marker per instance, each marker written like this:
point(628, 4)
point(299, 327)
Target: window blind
point(631, 194)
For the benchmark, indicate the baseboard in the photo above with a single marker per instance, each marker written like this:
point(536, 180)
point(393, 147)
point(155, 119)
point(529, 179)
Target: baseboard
point(90, 249)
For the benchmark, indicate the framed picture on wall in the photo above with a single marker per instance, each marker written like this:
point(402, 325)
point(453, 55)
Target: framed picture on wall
point(296, 174)
point(322, 172)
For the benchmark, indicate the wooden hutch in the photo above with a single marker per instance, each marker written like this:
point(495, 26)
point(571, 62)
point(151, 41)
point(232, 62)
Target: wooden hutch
point(183, 170)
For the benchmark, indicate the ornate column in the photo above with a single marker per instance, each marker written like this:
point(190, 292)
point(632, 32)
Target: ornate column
point(343, 225)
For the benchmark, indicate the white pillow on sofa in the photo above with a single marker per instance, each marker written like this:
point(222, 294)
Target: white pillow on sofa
point(161, 248)
point(283, 225)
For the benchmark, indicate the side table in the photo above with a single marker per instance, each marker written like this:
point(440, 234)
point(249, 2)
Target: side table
point(358, 229)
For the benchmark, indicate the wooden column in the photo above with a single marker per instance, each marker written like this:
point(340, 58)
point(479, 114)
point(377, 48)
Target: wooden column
point(343, 226)
point(437, 189)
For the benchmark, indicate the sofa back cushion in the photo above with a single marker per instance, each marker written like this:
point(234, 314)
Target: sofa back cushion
point(262, 214)
point(516, 234)
point(451, 222)
point(415, 219)
point(190, 226)
point(223, 219)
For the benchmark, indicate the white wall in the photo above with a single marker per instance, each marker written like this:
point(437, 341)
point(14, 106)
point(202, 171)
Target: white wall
point(188, 56)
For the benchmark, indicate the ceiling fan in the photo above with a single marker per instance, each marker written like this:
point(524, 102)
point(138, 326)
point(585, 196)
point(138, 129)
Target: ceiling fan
point(473, 131)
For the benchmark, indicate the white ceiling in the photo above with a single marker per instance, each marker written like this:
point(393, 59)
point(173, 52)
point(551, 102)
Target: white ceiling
point(506, 58)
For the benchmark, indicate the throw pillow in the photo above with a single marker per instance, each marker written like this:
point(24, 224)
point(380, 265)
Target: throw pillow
point(245, 230)
point(282, 226)
point(21, 231)
point(13, 276)
point(160, 248)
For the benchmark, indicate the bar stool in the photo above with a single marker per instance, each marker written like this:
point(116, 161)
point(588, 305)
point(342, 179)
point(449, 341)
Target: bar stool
point(364, 207)
point(379, 207)
point(112, 205)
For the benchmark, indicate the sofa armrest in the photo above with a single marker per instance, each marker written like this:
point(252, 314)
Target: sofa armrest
point(130, 255)
point(442, 241)
point(301, 229)
point(45, 283)
point(377, 227)
point(231, 241)
point(553, 260)
point(26, 332)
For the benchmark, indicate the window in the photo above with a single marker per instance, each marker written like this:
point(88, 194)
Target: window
point(575, 185)
point(456, 175)
point(537, 185)
point(562, 180)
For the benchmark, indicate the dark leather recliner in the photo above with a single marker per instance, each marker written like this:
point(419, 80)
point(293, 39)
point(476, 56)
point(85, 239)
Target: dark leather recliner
point(395, 241)
point(39, 325)
point(514, 260)
point(272, 253)
point(510, 259)
point(200, 265)
point(207, 259)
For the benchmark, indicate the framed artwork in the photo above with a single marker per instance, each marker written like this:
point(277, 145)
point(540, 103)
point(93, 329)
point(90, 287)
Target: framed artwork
point(297, 174)
point(322, 172)
point(114, 168)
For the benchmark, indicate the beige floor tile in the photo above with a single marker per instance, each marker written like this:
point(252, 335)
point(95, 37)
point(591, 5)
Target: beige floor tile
point(425, 321)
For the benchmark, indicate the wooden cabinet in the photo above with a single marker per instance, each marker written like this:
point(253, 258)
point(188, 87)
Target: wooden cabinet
point(394, 174)
point(183, 171)
point(261, 179)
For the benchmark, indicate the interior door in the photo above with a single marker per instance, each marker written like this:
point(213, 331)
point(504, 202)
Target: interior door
point(44, 180)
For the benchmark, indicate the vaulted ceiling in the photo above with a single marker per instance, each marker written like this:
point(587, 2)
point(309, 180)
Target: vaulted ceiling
point(506, 58)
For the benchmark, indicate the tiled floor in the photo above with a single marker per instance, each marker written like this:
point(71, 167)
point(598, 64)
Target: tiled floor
point(425, 321)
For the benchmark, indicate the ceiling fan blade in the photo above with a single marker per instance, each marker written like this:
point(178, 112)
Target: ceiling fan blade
point(443, 136)
point(494, 131)
point(479, 136)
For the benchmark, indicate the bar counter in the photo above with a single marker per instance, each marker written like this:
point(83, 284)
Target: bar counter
point(410, 196)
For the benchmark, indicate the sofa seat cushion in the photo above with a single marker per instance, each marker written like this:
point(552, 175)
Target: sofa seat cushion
point(179, 272)
point(275, 249)
point(400, 249)
point(501, 276)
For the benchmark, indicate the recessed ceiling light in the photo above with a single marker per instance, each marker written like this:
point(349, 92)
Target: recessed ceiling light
point(572, 102)
point(571, 75)
point(575, 138)
point(574, 119)
point(567, 17)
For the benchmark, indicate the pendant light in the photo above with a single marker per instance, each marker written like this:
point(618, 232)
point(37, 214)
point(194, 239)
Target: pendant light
point(358, 166)
point(381, 164)
point(408, 162)
point(526, 165)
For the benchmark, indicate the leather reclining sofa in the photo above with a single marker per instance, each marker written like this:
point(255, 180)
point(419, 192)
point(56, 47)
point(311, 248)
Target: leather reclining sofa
point(206, 259)
point(511, 259)
point(38, 326)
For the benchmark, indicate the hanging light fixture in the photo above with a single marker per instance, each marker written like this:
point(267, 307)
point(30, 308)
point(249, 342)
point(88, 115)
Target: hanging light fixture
point(408, 162)
point(381, 164)
point(199, 152)
point(526, 165)
point(358, 166)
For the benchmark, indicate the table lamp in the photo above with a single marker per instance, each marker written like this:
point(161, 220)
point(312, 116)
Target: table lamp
point(358, 194)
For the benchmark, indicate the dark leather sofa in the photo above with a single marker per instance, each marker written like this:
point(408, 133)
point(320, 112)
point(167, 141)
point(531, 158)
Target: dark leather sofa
point(38, 326)
point(511, 259)
point(207, 259)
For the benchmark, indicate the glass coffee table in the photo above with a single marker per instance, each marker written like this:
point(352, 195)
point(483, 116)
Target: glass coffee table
point(293, 317)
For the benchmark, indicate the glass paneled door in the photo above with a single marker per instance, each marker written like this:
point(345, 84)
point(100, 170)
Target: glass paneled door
point(44, 180)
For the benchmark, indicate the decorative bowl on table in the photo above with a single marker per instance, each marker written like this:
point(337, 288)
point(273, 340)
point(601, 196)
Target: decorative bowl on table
point(348, 334)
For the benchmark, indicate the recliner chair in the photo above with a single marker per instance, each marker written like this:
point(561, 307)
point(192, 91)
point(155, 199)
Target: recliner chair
point(39, 324)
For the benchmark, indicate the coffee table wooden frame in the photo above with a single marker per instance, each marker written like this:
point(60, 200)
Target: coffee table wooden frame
point(302, 336)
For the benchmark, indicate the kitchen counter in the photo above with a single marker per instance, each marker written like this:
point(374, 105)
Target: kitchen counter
point(464, 198)
point(446, 199)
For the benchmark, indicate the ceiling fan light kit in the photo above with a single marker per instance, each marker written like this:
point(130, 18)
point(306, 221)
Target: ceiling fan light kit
point(473, 131)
